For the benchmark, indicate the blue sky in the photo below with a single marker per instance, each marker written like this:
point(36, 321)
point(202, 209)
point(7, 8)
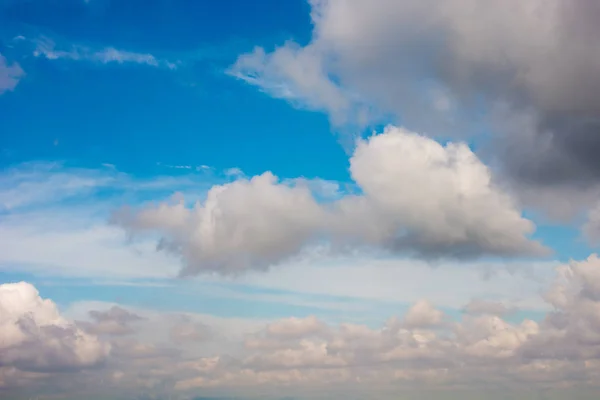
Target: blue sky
point(179, 117)
point(278, 174)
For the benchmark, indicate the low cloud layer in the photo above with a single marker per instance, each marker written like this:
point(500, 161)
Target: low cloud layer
point(417, 197)
point(303, 355)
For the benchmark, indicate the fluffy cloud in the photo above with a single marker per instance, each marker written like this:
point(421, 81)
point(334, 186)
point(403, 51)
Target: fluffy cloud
point(34, 336)
point(438, 64)
point(482, 347)
point(417, 197)
point(423, 315)
point(10, 75)
point(442, 197)
point(244, 224)
point(301, 355)
point(572, 331)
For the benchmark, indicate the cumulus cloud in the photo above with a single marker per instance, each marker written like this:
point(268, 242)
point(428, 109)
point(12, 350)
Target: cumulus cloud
point(35, 337)
point(423, 315)
point(441, 65)
point(443, 197)
point(418, 197)
point(10, 75)
point(244, 224)
point(477, 347)
point(572, 331)
point(481, 349)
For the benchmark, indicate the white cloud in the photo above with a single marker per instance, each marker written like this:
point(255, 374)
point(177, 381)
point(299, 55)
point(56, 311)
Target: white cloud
point(425, 347)
point(442, 197)
point(295, 73)
point(10, 75)
point(43, 183)
point(35, 337)
point(423, 315)
point(64, 245)
point(477, 350)
point(48, 49)
point(392, 51)
point(418, 197)
point(62, 213)
point(507, 72)
point(244, 224)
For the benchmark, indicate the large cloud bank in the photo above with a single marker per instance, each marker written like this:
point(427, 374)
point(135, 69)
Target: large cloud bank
point(416, 197)
point(172, 355)
point(526, 70)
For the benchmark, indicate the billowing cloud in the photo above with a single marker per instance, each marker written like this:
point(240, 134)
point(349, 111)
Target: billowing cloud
point(442, 197)
point(418, 197)
point(423, 315)
point(426, 347)
point(10, 75)
point(440, 65)
point(35, 337)
point(247, 223)
point(301, 355)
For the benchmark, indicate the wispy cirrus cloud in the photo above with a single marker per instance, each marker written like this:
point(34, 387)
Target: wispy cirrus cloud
point(49, 49)
point(10, 75)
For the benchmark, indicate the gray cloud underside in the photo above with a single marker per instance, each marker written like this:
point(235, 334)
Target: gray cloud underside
point(527, 68)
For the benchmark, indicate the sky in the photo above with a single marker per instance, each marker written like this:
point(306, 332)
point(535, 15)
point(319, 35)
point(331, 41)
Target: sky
point(322, 199)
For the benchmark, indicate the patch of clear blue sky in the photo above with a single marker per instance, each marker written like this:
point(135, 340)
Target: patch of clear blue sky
point(134, 116)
